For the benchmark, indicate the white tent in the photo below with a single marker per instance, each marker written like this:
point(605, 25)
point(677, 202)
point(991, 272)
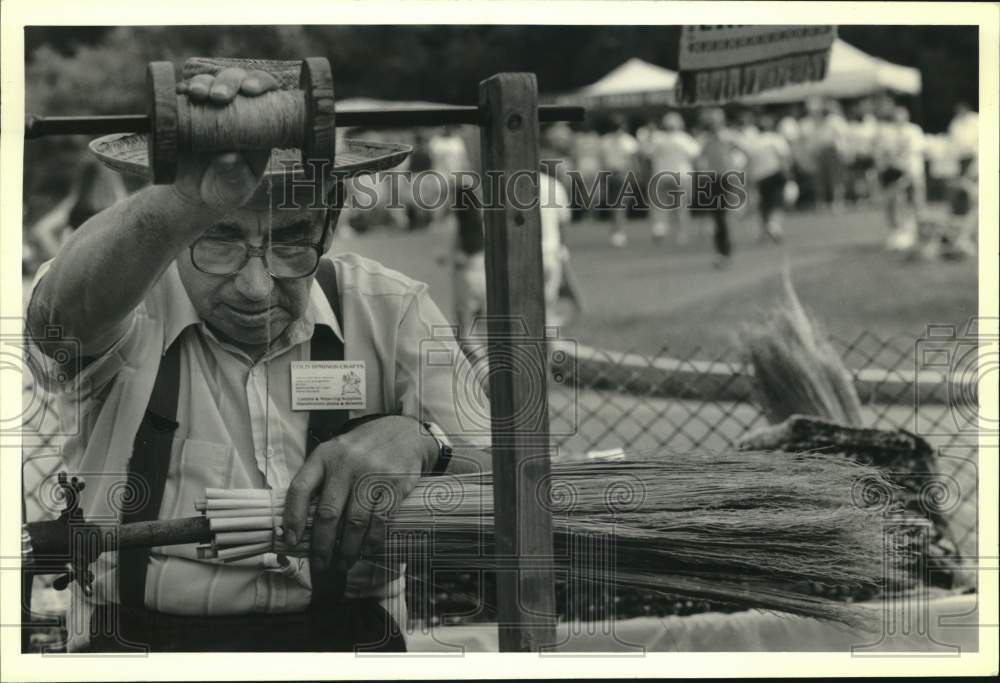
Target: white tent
point(633, 84)
point(362, 103)
point(851, 73)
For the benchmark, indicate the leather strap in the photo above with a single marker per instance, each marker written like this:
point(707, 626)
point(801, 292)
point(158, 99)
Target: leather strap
point(328, 585)
point(147, 475)
point(325, 424)
point(151, 450)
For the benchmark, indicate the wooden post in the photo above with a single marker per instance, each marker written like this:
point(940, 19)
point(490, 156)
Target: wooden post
point(517, 357)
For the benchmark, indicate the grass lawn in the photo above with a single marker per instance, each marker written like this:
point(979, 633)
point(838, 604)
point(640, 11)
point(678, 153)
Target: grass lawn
point(861, 289)
point(648, 296)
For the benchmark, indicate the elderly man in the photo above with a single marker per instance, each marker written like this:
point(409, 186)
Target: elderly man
point(202, 318)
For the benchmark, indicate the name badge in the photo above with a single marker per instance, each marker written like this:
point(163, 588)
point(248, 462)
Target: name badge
point(328, 385)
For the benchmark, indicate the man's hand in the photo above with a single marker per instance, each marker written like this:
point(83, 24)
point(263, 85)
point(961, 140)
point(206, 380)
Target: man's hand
point(360, 477)
point(222, 180)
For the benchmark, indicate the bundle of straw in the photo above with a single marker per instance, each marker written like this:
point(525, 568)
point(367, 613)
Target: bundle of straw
point(746, 529)
point(796, 370)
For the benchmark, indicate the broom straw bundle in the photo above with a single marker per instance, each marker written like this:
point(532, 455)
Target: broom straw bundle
point(796, 370)
point(747, 529)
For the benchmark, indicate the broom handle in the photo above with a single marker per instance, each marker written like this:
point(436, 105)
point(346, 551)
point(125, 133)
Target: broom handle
point(57, 538)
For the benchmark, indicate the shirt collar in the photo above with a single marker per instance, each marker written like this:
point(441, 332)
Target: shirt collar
point(319, 311)
point(182, 313)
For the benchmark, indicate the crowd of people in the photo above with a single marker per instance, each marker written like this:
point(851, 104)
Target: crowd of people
point(714, 165)
point(815, 155)
point(711, 164)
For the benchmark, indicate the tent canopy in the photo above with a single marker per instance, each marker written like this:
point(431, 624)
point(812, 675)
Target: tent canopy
point(851, 73)
point(635, 83)
point(362, 103)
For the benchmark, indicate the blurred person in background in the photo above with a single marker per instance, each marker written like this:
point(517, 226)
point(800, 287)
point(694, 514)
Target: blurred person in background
point(420, 163)
point(963, 138)
point(747, 132)
point(862, 133)
point(748, 126)
point(829, 136)
point(963, 132)
point(644, 133)
point(800, 133)
point(644, 166)
point(913, 153)
point(769, 169)
point(558, 136)
point(449, 157)
point(900, 159)
point(468, 262)
point(963, 221)
point(788, 129)
point(720, 155)
point(586, 152)
point(618, 156)
point(554, 212)
point(672, 152)
point(555, 154)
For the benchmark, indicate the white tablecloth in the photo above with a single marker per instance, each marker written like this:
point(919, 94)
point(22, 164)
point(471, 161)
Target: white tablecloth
point(938, 625)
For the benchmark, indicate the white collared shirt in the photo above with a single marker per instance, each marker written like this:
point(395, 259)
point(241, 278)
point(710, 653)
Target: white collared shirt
point(237, 429)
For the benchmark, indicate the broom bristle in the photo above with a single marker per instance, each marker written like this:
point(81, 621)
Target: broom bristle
point(796, 370)
point(747, 529)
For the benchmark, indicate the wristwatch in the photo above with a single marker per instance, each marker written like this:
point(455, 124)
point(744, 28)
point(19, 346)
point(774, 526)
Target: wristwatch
point(444, 448)
point(444, 445)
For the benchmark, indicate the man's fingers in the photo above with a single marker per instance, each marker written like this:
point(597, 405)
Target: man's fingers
point(258, 82)
point(226, 85)
point(308, 479)
point(198, 87)
point(326, 521)
point(375, 539)
point(357, 521)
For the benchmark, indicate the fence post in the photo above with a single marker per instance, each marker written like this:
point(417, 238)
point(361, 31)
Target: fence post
point(518, 364)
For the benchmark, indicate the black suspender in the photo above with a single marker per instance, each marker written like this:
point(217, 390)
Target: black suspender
point(147, 476)
point(325, 345)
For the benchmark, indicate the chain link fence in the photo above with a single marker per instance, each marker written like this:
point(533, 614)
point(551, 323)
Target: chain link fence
point(606, 400)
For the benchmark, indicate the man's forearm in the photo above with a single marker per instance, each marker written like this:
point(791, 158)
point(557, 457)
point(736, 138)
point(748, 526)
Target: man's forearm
point(107, 266)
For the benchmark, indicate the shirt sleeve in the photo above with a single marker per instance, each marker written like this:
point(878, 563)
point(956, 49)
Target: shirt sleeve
point(784, 149)
point(694, 147)
point(435, 382)
point(562, 201)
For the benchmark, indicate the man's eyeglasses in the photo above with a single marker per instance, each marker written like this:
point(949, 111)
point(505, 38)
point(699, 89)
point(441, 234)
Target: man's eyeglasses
point(284, 260)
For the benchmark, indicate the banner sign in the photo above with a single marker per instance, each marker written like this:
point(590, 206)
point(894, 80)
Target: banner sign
point(724, 63)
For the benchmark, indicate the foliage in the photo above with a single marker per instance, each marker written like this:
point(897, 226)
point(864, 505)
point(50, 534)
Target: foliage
point(78, 70)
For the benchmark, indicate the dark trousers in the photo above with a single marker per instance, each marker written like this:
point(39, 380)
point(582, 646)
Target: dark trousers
point(721, 236)
point(772, 194)
point(711, 200)
point(355, 626)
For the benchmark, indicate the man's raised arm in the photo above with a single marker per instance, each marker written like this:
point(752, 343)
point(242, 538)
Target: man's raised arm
point(107, 266)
